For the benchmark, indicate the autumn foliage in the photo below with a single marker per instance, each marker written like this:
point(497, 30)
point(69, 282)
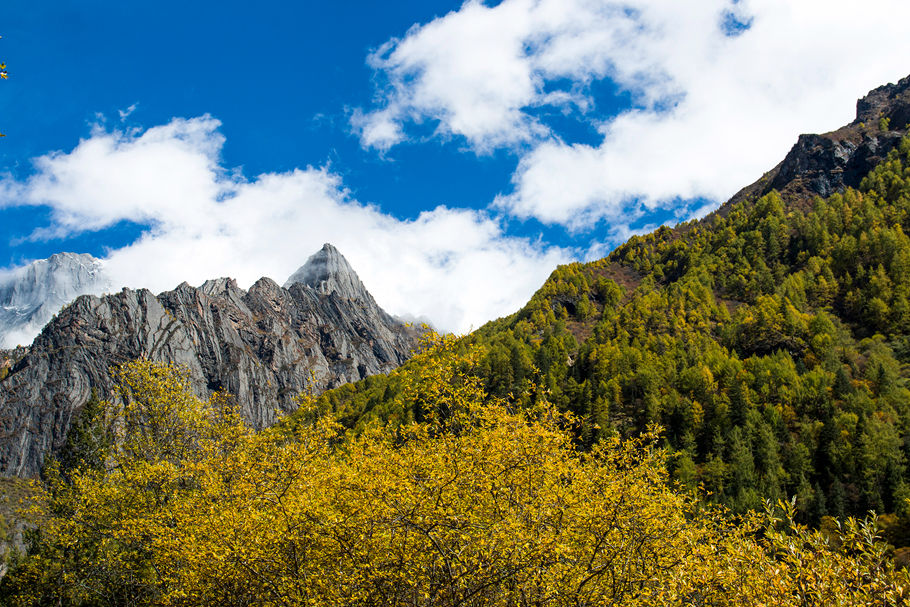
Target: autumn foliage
point(476, 504)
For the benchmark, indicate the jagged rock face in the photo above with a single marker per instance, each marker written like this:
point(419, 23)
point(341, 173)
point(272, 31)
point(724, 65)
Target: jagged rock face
point(821, 165)
point(891, 101)
point(327, 271)
point(264, 346)
point(33, 294)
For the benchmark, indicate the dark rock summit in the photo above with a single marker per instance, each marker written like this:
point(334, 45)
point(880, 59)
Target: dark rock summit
point(891, 101)
point(821, 165)
point(264, 346)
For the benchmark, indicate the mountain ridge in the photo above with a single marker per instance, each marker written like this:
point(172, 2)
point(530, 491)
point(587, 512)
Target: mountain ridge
point(822, 164)
point(264, 346)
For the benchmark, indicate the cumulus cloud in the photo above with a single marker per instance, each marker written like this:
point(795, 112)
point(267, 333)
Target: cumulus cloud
point(719, 90)
point(454, 267)
point(477, 69)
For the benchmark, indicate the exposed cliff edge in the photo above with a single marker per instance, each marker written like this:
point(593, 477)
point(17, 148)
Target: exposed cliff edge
point(820, 165)
point(264, 346)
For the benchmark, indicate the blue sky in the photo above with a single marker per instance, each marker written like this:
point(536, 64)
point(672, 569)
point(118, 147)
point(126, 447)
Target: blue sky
point(455, 153)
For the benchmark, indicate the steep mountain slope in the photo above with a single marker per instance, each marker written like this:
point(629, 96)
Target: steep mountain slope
point(264, 346)
point(771, 340)
point(32, 295)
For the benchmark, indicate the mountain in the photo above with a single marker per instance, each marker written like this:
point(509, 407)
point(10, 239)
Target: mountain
point(770, 340)
point(821, 165)
point(327, 271)
point(264, 346)
point(30, 296)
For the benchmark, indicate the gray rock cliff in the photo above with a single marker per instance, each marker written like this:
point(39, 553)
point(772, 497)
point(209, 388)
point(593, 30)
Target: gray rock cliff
point(327, 271)
point(264, 346)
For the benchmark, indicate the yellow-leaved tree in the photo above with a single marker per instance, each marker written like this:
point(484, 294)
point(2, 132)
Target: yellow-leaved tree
point(477, 504)
point(3, 75)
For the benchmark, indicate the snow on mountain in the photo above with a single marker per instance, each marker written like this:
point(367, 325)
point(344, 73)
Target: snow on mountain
point(31, 295)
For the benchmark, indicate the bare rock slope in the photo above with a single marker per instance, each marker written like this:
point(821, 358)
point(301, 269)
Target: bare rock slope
point(264, 346)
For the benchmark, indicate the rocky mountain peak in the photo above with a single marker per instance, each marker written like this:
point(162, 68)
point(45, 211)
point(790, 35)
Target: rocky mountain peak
point(59, 274)
point(220, 286)
point(891, 101)
point(327, 272)
point(263, 346)
point(824, 164)
point(71, 259)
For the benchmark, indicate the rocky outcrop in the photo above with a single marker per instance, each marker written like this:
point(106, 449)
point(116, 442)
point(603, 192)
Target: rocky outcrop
point(891, 101)
point(31, 295)
point(264, 346)
point(821, 165)
point(329, 272)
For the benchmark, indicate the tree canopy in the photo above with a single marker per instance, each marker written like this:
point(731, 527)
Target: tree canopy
point(4, 76)
point(771, 341)
point(482, 503)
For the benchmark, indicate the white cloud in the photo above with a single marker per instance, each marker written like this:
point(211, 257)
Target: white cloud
point(711, 112)
point(454, 267)
point(124, 114)
point(102, 180)
point(468, 71)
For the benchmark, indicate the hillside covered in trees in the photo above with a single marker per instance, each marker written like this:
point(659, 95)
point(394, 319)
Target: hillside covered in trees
point(164, 499)
point(770, 341)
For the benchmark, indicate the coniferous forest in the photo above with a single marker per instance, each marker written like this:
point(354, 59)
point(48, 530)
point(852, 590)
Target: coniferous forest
point(705, 417)
point(770, 342)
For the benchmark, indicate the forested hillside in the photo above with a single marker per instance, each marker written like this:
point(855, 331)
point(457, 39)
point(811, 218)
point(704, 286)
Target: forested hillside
point(164, 499)
point(770, 341)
